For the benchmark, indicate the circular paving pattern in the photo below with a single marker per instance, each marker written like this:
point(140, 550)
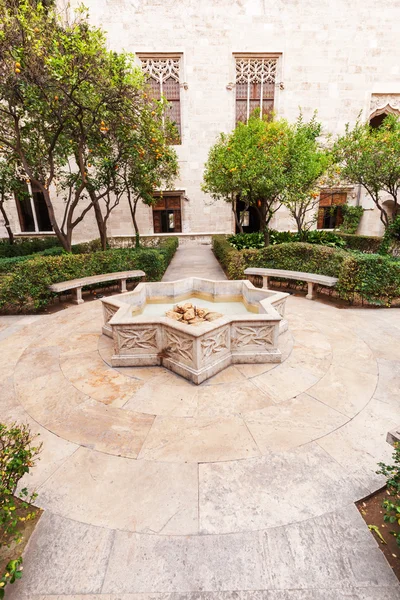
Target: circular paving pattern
point(227, 456)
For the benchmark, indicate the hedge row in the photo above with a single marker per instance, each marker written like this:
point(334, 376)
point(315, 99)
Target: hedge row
point(24, 246)
point(8, 264)
point(26, 288)
point(362, 243)
point(369, 278)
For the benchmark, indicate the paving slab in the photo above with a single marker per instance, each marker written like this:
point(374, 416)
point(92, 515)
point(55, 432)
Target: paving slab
point(340, 553)
point(272, 490)
point(64, 557)
point(293, 423)
point(194, 261)
point(198, 440)
point(117, 493)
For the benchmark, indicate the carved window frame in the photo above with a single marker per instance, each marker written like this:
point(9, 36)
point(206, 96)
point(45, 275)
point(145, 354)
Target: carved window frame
point(160, 68)
point(256, 77)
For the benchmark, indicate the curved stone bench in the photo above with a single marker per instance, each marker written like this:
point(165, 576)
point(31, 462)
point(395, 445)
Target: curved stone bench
point(77, 284)
point(311, 278)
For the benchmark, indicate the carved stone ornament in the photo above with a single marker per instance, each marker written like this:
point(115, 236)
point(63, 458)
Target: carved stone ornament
point(179, 345)
point(249, 335)
point(384, 103)
point(109, 311)
point(280, 307)
point(255, 70)
point(161, 69)
point(218, 342)
point(143, 339)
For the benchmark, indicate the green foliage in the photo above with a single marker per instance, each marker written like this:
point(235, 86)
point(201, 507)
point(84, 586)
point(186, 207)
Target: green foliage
point(266, 163)
point(373, 278)
point(392, 504)
point(391, 237)
point(18, 452)
point(367, 278)
point(68, 101)
point(25, 246)
point(242, 241)
point(370, 157)
point(26, 288)
point(361, 243)
point(8, 264)
point(306, 163)
point(351, 218)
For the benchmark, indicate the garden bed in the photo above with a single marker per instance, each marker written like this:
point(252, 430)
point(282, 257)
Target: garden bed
point(373, 513)
point(25, 289)
point(25, 528)
point(367, 279)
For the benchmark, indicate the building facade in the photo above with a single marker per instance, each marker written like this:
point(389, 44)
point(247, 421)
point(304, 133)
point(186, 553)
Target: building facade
point(217, 60)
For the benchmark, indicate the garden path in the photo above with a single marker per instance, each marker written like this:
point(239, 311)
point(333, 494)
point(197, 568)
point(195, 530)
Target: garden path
point(242, 488)
point(194, 260)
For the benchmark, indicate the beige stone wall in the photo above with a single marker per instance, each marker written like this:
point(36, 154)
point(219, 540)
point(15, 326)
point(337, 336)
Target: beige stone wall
point(335, 55)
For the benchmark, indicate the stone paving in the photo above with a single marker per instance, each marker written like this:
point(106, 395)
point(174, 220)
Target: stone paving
point(240, 488)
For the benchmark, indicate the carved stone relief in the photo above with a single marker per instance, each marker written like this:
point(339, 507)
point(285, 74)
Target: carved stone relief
point(252, 335)
point(179, 345)
point(217, 342)
point(143, 339)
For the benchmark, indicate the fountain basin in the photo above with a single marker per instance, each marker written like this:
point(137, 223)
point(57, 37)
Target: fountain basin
point(247, 331)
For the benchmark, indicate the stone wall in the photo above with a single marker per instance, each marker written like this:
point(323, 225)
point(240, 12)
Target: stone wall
point(335, 57)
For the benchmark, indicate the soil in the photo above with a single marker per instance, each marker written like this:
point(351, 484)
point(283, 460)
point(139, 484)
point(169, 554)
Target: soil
point(373, 513)
point(26, 528)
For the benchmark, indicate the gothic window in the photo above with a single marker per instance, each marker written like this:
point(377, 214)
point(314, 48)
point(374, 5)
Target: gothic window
point(330, 209)
point(163, 77)
point(255, 86)
point(167, 215)
point(32, 211)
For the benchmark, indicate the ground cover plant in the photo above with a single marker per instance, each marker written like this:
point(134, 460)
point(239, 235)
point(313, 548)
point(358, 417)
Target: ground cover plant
point(19, 450)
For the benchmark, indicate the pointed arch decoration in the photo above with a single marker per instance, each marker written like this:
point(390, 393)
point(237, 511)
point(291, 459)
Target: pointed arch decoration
point(384, 104)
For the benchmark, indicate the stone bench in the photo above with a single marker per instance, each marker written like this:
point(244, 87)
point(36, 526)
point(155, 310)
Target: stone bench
point(78, 284)
point(311, 278)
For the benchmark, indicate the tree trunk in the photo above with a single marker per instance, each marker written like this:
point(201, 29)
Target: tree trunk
point(132, 207)
point(7, 223)
point(101, 223)
point(264, 225)
point(237, 219)
point(65, 240)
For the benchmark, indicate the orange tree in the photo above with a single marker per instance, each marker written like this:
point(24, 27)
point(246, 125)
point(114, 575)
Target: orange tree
point(371, 158)
point(262, 163)
point(306, 163)
point(127, 158)
point(68, 108)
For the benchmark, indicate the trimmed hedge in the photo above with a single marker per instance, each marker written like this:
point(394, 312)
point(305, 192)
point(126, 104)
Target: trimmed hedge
point(363, 243)
point(26, 288)
point(368, 278)
point(24, 246)
point(8, 264)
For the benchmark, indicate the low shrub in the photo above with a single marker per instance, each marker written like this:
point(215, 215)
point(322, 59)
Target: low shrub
point(368, 244)
point(373, 278)
point(26, 287)
point(8, 264)
point(369, 278)
point(242, 241)
point(391, 505)
point(18, 452)
point(24, 246)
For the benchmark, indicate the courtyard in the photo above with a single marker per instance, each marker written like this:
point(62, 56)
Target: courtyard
point(241, 487)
